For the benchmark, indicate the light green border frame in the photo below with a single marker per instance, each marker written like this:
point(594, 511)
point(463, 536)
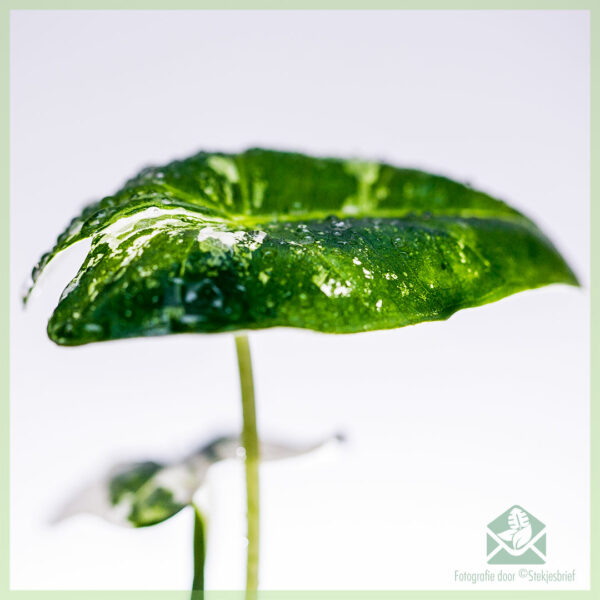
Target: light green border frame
point(7, 5)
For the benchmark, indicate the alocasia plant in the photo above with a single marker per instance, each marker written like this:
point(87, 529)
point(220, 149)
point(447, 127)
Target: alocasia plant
point(235, 242)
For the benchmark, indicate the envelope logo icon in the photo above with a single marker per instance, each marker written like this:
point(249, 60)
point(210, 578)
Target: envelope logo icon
point(516, 537)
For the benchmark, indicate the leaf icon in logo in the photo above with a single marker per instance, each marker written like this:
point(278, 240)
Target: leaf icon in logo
point(520, 528)
point(522, 537)
point(507, 535)
point(518, 519)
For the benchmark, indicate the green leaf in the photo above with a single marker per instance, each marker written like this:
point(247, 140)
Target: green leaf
point(141, 494)
point(262, 239)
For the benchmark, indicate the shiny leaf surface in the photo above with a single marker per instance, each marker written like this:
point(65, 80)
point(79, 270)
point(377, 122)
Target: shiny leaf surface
point(262, 239)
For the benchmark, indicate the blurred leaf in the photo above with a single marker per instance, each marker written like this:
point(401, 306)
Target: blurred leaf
point(261, 239)
point(146, 493)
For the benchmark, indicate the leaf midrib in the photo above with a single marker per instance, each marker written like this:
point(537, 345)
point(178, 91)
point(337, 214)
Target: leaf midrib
point(251, 221)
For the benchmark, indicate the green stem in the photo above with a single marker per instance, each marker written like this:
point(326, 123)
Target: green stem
point(250, 443)
point(199, 555)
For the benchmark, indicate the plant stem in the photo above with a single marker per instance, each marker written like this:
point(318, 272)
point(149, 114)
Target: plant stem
point(199, 555)
point(250, 443)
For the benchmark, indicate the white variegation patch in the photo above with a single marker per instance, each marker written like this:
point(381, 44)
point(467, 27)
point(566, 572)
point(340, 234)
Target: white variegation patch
point(251, 240)
point(158, 219)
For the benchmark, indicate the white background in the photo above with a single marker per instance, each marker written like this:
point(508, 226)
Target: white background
point(448, 423)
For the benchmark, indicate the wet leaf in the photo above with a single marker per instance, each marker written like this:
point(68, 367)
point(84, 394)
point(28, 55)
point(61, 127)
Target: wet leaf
point(262, 239)
point(146, 493)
